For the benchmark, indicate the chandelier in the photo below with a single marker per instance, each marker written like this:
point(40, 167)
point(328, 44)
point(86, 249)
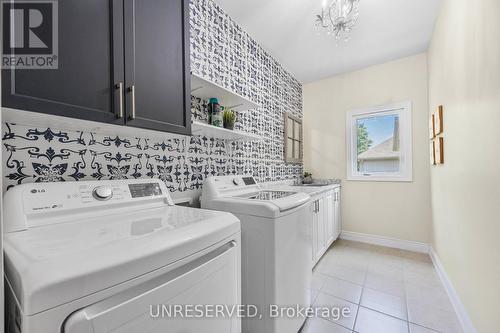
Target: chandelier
point(338, 17)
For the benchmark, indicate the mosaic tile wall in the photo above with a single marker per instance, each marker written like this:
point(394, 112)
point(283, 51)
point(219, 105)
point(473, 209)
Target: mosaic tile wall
point(220, 52)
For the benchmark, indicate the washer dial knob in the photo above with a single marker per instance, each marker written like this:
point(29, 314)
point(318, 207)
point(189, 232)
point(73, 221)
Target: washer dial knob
point(236, 181)
point(102, 193)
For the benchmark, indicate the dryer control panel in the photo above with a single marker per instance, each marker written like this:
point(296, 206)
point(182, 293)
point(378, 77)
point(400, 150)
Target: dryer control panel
point(46, 203)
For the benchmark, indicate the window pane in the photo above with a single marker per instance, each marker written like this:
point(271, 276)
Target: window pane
point(289, 150)
point(290, 128)
point(378, 144)
point(296, 132)
point(296, 149)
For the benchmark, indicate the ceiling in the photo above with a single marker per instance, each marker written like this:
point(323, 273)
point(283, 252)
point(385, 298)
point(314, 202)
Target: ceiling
point(386, 30)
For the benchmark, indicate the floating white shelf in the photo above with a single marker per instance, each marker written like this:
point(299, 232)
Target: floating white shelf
point(205, 89)
point(199, 128)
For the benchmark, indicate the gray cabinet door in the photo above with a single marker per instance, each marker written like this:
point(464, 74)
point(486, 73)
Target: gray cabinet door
point(157, 65)
point(90, 66)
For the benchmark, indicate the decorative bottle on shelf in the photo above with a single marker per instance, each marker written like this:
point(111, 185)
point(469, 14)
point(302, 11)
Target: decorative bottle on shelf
point(215, 113)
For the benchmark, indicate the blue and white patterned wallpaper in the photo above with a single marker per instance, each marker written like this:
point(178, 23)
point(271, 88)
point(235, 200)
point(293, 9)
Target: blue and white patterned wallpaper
point(220, 52)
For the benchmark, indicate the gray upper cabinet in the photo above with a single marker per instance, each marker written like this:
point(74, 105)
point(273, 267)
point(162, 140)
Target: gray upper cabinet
point(120, 61)
point(157, 65)
point(90, 62)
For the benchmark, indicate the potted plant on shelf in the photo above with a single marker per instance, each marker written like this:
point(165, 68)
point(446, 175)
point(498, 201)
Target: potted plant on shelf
point(229, 118)
point(307, 178)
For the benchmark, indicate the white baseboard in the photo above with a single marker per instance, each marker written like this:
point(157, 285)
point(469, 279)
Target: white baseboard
point(462, 315)
point(386, 241)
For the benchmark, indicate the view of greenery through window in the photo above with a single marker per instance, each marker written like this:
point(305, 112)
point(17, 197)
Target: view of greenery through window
point(378, 144)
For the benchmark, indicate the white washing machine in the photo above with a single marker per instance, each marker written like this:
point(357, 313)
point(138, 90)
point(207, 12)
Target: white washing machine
point(276, 247)
point(106, 256)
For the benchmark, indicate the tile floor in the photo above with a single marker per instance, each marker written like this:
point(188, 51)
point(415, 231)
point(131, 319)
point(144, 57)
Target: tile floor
point(386, 290)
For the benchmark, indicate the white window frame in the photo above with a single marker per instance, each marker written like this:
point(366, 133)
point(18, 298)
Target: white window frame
point(404, 111)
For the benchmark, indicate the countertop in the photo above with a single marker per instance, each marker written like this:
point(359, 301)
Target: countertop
point(311, 190)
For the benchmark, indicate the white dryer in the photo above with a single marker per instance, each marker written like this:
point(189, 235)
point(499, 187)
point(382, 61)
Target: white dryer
point(98, 257)
point(276, 248)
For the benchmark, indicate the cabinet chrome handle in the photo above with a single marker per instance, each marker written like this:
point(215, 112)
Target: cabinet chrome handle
point(132, 92)
point(119, 87)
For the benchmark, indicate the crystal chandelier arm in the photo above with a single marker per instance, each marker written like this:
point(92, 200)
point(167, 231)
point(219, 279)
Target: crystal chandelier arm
point(331, 15)
point(351, 7)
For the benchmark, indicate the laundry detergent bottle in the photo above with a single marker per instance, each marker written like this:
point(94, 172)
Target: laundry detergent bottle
point(215, 113)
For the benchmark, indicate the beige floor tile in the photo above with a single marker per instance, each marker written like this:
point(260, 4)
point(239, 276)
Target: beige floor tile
point(345, 273)
point(364, 246)
point(318, 280)
point(386, 303)
point(429, 280)
point(415, 256)
point(336, 251)
point(314, 295)
point(419, 329)
point(432, 317)
point(418, 267)
point(322, 264)
point(353, 261)
point(324, 300)
point(384, 283)
point(388, 271)
point(342, 289)
point(340, 242)
point(390, 251)
point(318, 325)
point(433, 297)
point(369, 321)
point(389, 259)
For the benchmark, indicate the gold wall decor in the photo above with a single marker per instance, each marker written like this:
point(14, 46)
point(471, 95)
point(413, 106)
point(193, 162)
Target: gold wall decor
point(436, 132)
point(432, 132)
point(439, 150)
point(438, 121)
point(432, 153)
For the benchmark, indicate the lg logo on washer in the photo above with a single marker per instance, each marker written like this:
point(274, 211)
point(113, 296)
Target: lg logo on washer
point(35, 191)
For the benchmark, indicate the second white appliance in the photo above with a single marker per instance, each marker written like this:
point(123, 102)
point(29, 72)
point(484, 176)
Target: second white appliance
point(276, 248)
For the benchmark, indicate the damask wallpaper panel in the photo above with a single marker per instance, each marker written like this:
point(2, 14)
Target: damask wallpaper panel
point(220, 52)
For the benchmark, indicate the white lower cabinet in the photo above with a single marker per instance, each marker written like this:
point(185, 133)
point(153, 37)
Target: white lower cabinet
point(336, 209)
point(326, 224)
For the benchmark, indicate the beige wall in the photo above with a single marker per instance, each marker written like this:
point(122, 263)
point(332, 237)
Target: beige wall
point(464, 76)
point(397, 210)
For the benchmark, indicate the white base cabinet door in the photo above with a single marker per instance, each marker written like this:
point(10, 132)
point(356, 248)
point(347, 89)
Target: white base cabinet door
point(326, 225)
point(337, 215)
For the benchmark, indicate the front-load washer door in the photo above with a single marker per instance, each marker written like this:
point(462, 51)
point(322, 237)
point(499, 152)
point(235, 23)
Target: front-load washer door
point(207, 282)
